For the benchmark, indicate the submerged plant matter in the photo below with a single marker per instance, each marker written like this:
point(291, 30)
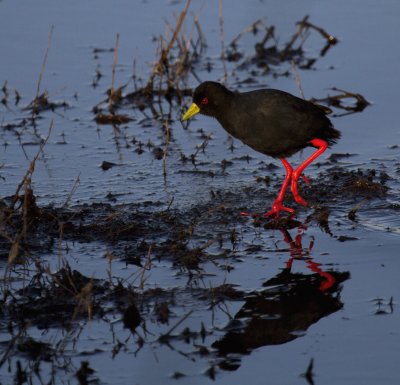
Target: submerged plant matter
point(187, 241)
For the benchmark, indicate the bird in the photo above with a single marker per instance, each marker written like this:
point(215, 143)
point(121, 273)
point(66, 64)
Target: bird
point(272, 122)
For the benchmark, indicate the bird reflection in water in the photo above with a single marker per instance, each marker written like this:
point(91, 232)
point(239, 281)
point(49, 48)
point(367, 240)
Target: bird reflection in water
point(286, 307)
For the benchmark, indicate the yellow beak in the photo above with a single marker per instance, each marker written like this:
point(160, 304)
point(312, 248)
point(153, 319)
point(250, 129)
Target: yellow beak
point(193, 110)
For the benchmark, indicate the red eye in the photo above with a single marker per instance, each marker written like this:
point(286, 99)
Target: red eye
point(204, 101)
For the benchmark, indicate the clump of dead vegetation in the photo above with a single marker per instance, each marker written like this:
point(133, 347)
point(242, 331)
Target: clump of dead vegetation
point(21, 210)
point(269, 54)
point(350, 102)
point(167, 82)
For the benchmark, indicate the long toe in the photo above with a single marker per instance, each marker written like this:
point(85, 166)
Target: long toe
point(276, 209)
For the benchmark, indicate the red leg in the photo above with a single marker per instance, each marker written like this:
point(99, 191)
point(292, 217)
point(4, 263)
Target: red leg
point(278, 206)
point(322, 145)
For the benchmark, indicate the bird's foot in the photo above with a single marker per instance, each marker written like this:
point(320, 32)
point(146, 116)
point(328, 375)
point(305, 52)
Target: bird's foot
point(276, 209)
point(274, 212)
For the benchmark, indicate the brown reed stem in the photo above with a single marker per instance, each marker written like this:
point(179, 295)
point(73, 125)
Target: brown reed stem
point(158, 67)
point(31, 167)
point(44, 60)
point(111, 96)
point(298, 79)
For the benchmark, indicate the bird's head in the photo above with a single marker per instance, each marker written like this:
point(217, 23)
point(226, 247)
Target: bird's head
point(208, 98)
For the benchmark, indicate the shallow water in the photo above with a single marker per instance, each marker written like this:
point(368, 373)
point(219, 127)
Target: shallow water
point(356, 343)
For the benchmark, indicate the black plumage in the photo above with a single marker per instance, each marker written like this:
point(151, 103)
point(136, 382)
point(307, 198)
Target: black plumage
point(270, 121)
